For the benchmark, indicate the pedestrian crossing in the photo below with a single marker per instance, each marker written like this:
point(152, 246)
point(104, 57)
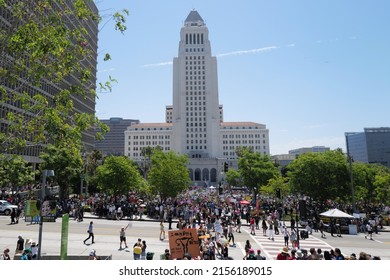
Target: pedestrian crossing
point(270, 249)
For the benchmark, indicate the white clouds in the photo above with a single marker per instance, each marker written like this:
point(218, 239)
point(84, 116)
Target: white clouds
point(291, 45)
point(242, 52)
point(106, 70)
point(252, 51)
point(157, 64)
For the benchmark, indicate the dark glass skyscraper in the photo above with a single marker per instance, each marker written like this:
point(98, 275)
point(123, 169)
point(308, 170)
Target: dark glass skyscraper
point(114, 140)
point(370, 146)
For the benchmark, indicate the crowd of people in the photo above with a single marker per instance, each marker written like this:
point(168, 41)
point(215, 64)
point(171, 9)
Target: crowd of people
point(217, 219)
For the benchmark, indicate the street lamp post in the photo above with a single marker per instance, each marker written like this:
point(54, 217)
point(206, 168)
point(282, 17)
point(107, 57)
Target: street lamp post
point(297, 222)
point(82, 176)
point(46, 173)
point(352, 186)
point(351, 175)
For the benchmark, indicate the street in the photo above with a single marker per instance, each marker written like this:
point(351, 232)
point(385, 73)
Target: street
point(107, 239)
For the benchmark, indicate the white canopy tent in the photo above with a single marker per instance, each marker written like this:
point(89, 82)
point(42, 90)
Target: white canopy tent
point(336, 213)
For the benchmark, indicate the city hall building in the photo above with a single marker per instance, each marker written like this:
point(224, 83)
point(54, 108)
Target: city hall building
point(194, 124)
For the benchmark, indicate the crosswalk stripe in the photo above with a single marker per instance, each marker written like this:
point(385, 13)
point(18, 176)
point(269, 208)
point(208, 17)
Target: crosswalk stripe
point(271, 249)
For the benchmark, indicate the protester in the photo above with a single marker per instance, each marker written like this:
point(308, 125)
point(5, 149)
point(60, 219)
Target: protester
point(122, 237)
point(283, 254)
point(90, 233)
point(143, 252)
point(259, 256)
point(137, 249)
point(19, 245)
point(162, 230)
point(248, 246)
point(5, 256)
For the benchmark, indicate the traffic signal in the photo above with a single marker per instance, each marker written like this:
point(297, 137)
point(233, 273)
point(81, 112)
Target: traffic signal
point(278, 195)
point(225, 167)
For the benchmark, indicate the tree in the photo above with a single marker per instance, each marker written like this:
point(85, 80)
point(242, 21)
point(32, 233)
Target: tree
point(47, 53)
point(382, 187)
point(321, 176)
point(46, 68)
point(233, 177)
point(255, 170)
point(118, 176)
point(168, 175)
point(367, 177)
point(277, 183)
point(93, 160)
point(65, 159)
point(146, 153)
point(15, 171)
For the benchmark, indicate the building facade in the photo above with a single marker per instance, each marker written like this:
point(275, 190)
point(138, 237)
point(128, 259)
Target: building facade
point(304, 150)
point(9, 22)
point(114, 140)
point(370, 146)
point(194, 122)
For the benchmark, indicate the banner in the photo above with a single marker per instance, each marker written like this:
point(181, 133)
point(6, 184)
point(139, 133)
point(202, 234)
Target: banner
point(182, 242)
point(49, 208)
point(31, 210)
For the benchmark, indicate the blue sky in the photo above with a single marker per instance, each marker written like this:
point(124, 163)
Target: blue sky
point(309, 70)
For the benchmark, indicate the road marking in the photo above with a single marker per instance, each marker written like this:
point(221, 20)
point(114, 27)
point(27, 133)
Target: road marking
point(272, 248)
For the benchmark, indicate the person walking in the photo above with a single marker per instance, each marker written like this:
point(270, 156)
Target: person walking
point(162, 230)
point(293, 238)
point(19, 245)
point(170, 214)
point(248, 246)
point(143, 248)
point(321, 228)
point(271, 231)
point(286, 235)
point(18, 214)
point(90, 233)
point(13, 216)
point(276, 226)
point(122, 237)
point(257, 221)
point(252, 225)
point(231, 235)
point(238, 222)
point(369, 231)
point(264, 227)
point(292, 223)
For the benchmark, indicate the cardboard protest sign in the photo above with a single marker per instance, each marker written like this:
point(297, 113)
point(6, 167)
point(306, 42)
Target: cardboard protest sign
point(183, 241)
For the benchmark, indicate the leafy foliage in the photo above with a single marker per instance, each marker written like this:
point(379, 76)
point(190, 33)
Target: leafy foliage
point(45, 71)
point(65, 159)
point(168, 175)
point(255, 169)
point(320, 175)
point(117, 176)
point(15, 171)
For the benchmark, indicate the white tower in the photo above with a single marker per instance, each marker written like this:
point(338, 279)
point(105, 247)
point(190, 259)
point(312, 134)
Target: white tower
point(196, 112)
